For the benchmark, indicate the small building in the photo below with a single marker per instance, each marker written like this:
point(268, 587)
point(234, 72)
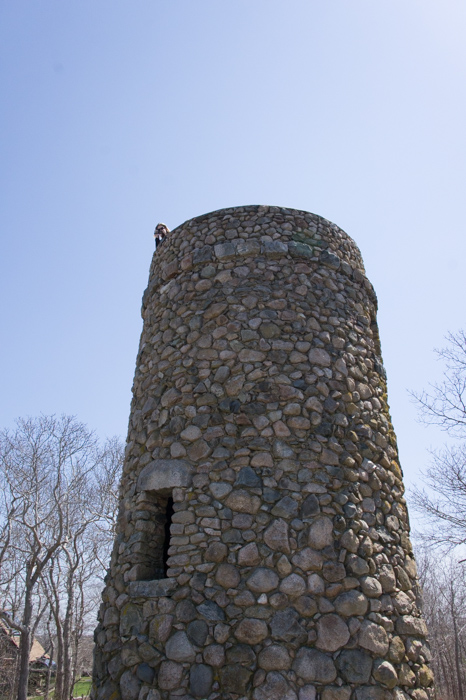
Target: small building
point(9, 657)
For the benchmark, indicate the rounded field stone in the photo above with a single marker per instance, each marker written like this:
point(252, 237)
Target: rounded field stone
point(349, 540)
point(318, 356)
point(354, 665)
point(373, 637)
point(332, 633)
point(217, 552)
point(116, 665)
point(293, 585)
point(235, 679)
point(129, 686)
point(220, 490)
point(251, 631)
point(248, 477)
point(130, 619)
point(333, 571)
point(227, 576)
point(241, 654)
point(191, 433)
point(426, 677)
point(274, 658)
point(307, 692)
point(387, 578)
point(242, 501)
point(214, 655)
point(305, 605)
point(310, 507)
point(170, 674)
point(249, 555)
point(419, 694)
point(185, 611)
point(221, 633)
point(285, 626)
point(397, 650)
point(160, 628)
point(211, 611)
point(371, 587)
point(385, 673)
point(262, 580)
point(351, 603)
point(274, 688)
point(276, 536)
point(373, 692)
point(335, 693)
point(145, 673)
point(321, 533)
point(315, 584)
point(197, 632)
point(356, 565)
point(198, 450)
point(286, 507)
point(283, 566)
point(269, 330)
point(403, 603)
point(308, 559)
point(313, 665)
point(179, 648)
point(200, 680)
point(407, 624)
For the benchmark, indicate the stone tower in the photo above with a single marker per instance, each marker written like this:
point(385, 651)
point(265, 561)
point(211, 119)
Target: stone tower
point(262, 549)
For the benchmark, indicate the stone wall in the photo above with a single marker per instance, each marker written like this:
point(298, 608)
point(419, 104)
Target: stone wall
point(260, 429)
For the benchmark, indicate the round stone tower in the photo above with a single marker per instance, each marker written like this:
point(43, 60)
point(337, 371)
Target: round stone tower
point(262, 549)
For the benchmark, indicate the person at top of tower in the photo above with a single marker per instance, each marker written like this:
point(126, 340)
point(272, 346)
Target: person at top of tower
point(160, 234)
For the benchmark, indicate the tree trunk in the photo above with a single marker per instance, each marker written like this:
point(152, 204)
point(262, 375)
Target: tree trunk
point(25, 647)
point(74, 665)
point(49, 674)
point(78, 629)
point(66, 657)
point(457, 655)
point(51, 655)
point(67, 629)
point(58, 695)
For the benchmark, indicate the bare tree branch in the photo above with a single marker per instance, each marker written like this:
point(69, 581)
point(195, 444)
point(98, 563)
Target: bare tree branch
point(53, 527)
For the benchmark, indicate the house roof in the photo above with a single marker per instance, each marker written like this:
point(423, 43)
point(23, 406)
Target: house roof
point(37, 650)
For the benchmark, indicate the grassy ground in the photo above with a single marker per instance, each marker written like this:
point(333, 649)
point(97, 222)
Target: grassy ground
point(82, 688)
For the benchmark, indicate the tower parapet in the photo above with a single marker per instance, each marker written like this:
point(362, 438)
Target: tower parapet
point(263, 545)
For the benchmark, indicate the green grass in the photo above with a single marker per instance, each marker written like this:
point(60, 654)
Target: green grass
point(82, 687)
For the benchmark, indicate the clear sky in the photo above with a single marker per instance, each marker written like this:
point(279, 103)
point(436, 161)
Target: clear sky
point(116, 115)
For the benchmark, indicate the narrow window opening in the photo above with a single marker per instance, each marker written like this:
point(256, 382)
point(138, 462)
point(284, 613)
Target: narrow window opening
point(155, 519)
point(166, 543)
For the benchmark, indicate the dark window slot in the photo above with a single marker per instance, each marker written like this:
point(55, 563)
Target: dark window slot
point(152, 557)
point(166, 543)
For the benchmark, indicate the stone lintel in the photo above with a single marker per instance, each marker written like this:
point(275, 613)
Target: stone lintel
point(165, 475)
point(152, 589)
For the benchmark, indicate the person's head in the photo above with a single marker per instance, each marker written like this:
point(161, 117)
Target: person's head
point(161, 230)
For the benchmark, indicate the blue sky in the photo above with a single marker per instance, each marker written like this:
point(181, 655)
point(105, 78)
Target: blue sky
point(117, 115)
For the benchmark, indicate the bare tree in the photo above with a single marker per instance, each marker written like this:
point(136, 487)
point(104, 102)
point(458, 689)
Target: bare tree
point(444, 606)
point(444, 403)
point(42, 464)
point(104, 497)
point(443, 502)
point(70, 577)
